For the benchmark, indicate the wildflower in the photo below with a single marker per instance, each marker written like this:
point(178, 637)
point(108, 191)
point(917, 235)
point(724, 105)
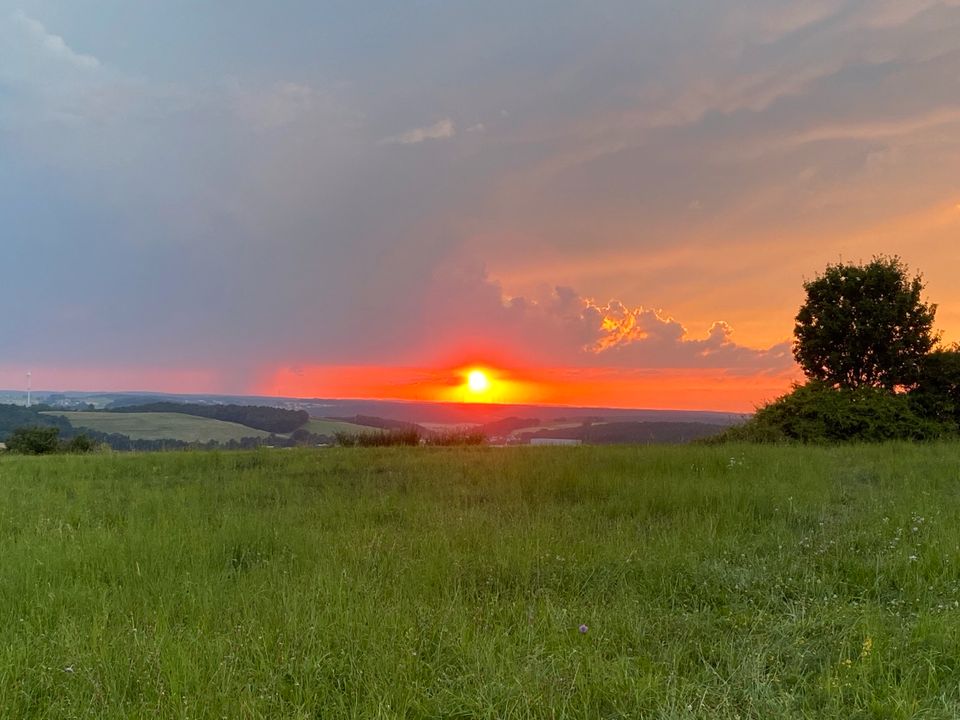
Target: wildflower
point(583, 629)
point(912, 558)
point(867, 647)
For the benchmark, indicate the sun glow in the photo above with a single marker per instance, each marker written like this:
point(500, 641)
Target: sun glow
point(478, 382)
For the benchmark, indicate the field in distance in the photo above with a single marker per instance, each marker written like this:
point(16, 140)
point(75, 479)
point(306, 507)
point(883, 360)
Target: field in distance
point(189, 428)
point(328, 427)
point(157, 426)
point(589, 582)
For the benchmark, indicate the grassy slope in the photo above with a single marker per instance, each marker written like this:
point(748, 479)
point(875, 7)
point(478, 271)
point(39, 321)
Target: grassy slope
point(175, 426)
point(549, 426)
point(748, 582)
point(329, 427)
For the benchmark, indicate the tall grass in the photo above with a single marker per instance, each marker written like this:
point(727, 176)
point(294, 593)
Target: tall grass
point(714, 582)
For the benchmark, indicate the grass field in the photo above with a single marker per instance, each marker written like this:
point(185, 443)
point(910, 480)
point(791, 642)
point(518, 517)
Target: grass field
point(329, 427)
point(713, 582)
point(161, 426)
point(549, 426)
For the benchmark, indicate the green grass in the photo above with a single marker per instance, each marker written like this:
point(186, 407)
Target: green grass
point(161, 426)
point(716, 582)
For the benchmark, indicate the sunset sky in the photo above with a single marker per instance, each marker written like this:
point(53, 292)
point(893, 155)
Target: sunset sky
point(597, 203)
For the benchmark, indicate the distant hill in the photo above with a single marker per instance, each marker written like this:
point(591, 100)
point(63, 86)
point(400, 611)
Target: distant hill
point(326, 426)
point(480, 414)
point(161, 426)
point(499, 428)
point(378, 423)
point(17, 416)
point(259, 417)
point(327, 416)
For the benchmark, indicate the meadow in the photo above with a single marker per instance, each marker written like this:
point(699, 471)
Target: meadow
point(615, 582)
point(320, 426)
point(161, 425)
point(189, 428)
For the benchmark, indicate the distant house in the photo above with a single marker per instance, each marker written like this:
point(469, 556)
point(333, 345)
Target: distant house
point(3, 446)
point(554, 441)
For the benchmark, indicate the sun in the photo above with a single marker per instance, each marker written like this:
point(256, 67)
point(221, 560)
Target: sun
point(477, 381)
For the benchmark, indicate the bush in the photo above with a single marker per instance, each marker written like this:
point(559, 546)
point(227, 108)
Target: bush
point(457, 437)
point(378, 439)
point(816, 412)
point(34, 440)
point(79, 444)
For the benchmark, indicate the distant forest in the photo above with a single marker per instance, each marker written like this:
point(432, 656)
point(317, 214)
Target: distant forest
point(18, 416)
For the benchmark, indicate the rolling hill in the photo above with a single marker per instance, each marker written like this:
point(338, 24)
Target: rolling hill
point(156, 426)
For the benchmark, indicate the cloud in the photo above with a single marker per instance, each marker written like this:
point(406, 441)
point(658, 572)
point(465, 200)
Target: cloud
point(466, 311)
point(55, 86)
point(440, 130)
point(281, 105)
point(893, 13)
point(54, 45)
point(883, 128)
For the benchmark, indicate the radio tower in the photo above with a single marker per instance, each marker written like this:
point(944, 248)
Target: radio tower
point(29, 376)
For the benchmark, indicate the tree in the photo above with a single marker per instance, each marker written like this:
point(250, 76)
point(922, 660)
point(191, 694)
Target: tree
point(34, 440)
point(864, 326)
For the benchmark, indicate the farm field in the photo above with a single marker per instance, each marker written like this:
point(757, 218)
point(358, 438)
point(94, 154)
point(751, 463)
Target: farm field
point(319, 426)
point(149, 425)
point(589, 582)
point(550, 426)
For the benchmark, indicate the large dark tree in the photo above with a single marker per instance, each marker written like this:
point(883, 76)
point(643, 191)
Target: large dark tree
point(864, 326)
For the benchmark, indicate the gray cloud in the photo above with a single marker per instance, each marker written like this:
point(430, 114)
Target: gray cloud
point(52, 44)
point(440, 130)
point(233, 203)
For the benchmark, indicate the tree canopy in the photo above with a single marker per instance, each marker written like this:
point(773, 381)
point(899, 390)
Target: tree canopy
point(864, 326)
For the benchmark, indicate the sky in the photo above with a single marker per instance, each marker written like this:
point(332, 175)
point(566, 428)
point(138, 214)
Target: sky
point(600, 203)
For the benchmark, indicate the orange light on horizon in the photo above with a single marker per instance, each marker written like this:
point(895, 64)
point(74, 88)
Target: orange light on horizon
point(667, 389)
